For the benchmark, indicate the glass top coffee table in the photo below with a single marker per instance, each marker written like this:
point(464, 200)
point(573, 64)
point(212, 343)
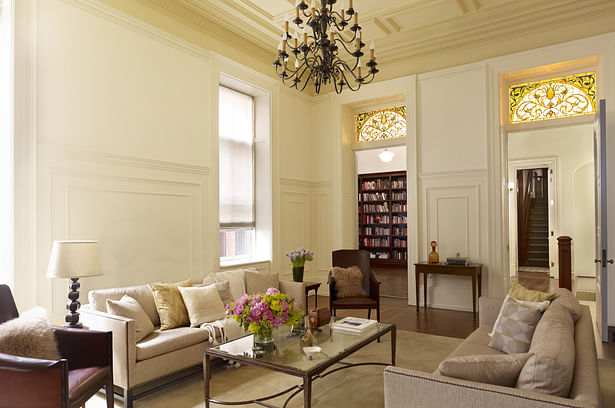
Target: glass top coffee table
point(288, 357)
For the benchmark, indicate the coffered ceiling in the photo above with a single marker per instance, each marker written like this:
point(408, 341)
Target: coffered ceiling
point(411, 36)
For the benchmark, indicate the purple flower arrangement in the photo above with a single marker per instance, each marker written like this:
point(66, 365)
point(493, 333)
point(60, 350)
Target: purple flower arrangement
point(299, 256)
point(261, 313)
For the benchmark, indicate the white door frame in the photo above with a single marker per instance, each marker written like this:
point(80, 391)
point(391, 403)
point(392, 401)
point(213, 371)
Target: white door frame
point(551, 163)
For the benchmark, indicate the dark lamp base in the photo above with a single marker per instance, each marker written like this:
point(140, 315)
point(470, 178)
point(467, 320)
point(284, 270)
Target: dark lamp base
point(72, 317)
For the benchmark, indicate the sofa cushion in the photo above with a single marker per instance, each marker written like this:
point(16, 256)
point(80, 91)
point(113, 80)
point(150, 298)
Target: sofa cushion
point(550, 370)
point(515, 328)
point(567, 299)
point(348, 281)
point(165, 341)
point(235, 277)
point(29, 335)
point(224, 288)
point(131, 308)
point(203, 304)
point(170, 304)
point(476, 343)
point(257, 282)
point(142, 293)
point(520, 292)
point(542, 306)
point(498, 369)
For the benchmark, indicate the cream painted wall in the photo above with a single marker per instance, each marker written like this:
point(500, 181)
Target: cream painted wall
point(368, 161)
point(572, 147)
point(123, 144)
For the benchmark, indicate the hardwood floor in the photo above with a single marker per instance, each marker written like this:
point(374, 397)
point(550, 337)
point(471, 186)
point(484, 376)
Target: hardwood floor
point(440, 322)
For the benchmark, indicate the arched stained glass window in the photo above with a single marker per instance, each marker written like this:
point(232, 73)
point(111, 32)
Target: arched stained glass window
point(553, 98)
point(380, 124)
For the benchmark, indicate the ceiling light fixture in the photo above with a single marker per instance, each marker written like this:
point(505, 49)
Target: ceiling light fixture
point(386, 156)
point(316, 57)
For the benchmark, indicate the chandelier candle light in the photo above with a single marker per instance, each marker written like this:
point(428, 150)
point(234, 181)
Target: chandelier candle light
point(315, 48)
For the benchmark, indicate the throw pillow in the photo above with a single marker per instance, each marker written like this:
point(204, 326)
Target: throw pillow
point(567, 299)
point(348, 281)
point(203, 304)
point(224, 290)
point(520, 292)
point(515, 328)
point(235, 277)
point(257, 282)
point(498, 369)
point(542, 306)
point(131, 308)
point(29, 335)
point(550, 370)
point(170, 305)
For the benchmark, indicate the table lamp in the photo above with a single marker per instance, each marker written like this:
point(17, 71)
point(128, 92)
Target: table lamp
point(74, 260)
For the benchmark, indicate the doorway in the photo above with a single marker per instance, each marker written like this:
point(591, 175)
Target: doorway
point(550, 195)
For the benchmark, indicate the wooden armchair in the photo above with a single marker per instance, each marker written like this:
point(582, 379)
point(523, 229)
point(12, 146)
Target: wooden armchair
point(345, 258)
point(85, 367)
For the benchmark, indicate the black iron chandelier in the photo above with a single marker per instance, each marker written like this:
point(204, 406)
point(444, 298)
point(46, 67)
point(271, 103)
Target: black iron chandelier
point(315, 55)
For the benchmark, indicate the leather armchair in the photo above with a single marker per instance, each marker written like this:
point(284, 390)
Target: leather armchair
point(85, 367)
point(345, 258)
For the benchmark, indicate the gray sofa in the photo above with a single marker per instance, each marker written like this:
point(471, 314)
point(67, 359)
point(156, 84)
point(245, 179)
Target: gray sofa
point(404, 388)
point(137, 366)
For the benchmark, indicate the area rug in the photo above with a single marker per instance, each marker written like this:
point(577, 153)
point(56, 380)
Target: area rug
point(354, 387)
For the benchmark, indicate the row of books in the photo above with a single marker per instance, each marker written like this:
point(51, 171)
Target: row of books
point(399, 195)
point(377, 231)
point(376, 219)
point(352, 325)
point(378, 184)
point(398, 183)
point(376, 207)
point(400, 231)
point(400, 243)
point(375, 197)
point(400, 255)
point(379, 255)
point(396, 207)
point(375, 242)
point(399, 219)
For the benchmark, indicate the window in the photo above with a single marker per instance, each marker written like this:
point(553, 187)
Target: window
point(236, 169)
point(381, 124)
point(553, 98)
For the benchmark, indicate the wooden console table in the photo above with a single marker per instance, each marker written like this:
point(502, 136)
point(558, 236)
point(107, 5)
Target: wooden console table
point(472, 270)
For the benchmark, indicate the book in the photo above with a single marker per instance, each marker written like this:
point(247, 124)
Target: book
point(355, 325)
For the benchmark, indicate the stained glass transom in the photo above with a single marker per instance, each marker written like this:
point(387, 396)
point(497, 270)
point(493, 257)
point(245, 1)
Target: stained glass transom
point(381, 124)
point(554, 98)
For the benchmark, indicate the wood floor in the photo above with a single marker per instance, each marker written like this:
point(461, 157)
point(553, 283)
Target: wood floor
point(440, 322)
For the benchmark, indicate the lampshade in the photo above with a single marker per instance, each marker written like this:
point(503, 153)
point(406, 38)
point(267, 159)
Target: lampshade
point(74, 259)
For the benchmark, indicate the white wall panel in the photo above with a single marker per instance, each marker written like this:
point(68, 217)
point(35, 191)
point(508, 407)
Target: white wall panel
point(149, 219)
point(295, 222)
point(452, 206)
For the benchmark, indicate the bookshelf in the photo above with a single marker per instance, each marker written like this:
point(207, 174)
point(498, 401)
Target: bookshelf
point(382, 218)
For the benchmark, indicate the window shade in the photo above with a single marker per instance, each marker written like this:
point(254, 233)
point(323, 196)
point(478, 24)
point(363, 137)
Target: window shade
point(236, 143)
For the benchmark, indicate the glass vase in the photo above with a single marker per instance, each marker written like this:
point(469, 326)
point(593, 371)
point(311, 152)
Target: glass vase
point(263, 340)
point(298, 273)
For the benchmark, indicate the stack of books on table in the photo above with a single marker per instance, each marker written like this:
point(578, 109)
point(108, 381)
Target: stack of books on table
point(353, 325)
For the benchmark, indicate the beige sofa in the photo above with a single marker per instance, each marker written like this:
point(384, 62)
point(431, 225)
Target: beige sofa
point(163, 355)
point(408, 388)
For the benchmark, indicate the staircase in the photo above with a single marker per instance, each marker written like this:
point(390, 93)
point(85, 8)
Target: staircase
point(538, 234)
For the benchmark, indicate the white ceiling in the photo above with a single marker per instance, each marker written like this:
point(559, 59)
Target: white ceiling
point(412, 35)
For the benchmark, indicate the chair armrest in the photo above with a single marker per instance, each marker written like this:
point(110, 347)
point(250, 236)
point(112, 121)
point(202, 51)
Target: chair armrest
point(374, 285)
point(296, 290)
point(84, 348)
point(488, 310)
point(32, 382)
point(408, 388)
point(123, 340)
point(331, 283)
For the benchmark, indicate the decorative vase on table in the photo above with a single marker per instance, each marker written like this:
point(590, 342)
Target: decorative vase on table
point(298, 257)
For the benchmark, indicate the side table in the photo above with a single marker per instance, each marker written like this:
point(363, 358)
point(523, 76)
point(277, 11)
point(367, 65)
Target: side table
point(311, 286)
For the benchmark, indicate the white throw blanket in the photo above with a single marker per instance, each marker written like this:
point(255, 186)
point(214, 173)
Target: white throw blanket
point(225, 329)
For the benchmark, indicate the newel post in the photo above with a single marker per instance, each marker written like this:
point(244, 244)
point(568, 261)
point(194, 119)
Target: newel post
point(565, 262)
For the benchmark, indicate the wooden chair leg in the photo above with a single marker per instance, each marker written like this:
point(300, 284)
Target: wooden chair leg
point(109, 394)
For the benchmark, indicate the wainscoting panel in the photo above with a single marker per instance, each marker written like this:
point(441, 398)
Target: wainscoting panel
point(451, 208)
point(148, 217)
point(321, 242)
point(294, 222)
